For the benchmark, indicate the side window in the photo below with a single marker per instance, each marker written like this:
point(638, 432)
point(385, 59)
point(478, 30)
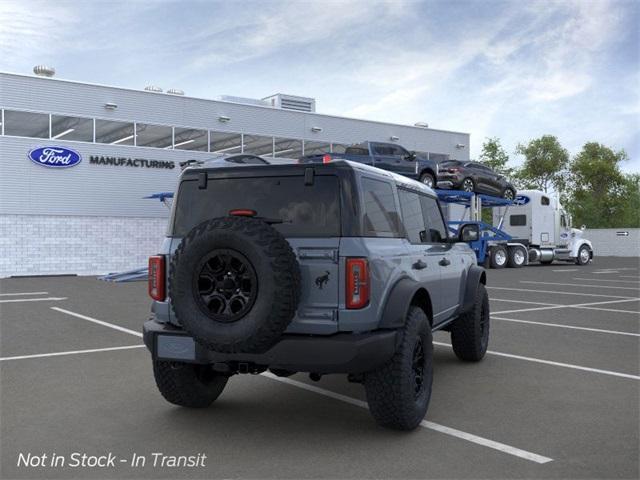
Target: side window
point(544, 201)
point(563, 221)
point(398, 151)
point(436, 229)
point(517, 220)
point(412, 217)
point(380, 216)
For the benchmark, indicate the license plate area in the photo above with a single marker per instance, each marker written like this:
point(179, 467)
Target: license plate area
point(175, 347)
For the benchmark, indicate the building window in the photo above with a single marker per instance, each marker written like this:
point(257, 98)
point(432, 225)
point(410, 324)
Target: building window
point(26, 124)
point(287, 148)
point(316, 148)
point(157, 136)
point(339, 148)
point(114, 133)
point(438, 157)
point(258, 145)
point(227, 143)
point(190, 139)
point(71, 128)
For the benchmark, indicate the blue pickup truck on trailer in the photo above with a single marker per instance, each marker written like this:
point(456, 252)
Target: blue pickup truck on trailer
point(387, 156)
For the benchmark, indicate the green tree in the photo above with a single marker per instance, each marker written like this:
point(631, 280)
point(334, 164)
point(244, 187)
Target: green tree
point(599, 194)
point(495, 157)
point(545, 164)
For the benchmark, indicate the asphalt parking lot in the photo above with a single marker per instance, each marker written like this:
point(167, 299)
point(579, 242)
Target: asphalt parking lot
point(556, 397)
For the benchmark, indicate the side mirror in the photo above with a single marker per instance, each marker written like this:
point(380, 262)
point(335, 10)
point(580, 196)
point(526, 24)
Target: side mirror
point(583, 227)
point(469, 233)
point(411, 156)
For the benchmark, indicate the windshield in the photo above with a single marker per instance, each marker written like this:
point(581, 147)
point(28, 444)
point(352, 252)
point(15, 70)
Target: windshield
point(305, 210)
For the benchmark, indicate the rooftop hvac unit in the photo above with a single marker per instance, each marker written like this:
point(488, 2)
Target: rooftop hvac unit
point(153, 88)
point(44, 71)
point(175, 91)
point(292, 102)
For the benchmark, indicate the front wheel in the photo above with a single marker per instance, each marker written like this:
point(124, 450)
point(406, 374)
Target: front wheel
point(470, 331)
point(398, 393)
point(188, 385)
point(428, 180)
point(584, 255)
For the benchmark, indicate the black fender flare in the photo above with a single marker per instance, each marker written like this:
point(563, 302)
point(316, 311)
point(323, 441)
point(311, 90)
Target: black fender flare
point(475, 275)
point(430, 170)
point(398, 302)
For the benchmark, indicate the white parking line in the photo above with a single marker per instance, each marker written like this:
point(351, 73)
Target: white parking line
point(577, 305)
point(22, 293)
point(99, 322)
point(19, 300)
point(556, 364)
point(72, 352)
point(567, 270)
point(629, 276)
point(485, 442)
point(572, 327)
point(605, 280)
point(522, 301)
point(581, 285)
point(528, 290)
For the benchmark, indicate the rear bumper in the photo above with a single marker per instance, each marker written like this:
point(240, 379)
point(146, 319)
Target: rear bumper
point(339, 353)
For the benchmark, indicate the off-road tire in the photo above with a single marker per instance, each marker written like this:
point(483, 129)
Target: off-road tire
point(391, 390)
point(425, 177)
point(470, 331)
point(188, 385)
point(277, 276)
point(495, 256)
point(513, 261)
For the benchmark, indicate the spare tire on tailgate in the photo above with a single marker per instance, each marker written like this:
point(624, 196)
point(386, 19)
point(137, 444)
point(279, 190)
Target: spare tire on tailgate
point(234, 284)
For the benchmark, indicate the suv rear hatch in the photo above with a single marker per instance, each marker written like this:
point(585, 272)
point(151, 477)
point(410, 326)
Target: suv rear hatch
point(305, 209)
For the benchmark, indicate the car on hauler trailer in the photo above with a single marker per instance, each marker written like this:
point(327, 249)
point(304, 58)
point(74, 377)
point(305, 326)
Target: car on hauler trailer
point(319, 268)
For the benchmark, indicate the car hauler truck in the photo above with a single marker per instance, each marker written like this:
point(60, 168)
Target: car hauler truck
point(532, 228)
point(539, 222)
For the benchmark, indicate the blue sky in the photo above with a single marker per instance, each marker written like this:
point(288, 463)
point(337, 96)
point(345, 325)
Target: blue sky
point(515, 70)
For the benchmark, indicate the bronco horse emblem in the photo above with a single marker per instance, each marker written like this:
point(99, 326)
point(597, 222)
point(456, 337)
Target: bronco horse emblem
point(322, 280)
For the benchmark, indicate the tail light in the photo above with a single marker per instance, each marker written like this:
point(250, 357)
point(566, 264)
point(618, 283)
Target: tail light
point(242, 212)
point(453, 170)
point(326, 158)
point(156, 277)
point(357, 283)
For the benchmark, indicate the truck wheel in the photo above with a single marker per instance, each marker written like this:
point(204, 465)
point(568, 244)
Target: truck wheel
point(584, 255)
point(499, 256)
point(468, 185)
point(428, 180)
point(188, 385)
point(470, 331)
point(234, 283)
point(517, 257)
point(399, 392)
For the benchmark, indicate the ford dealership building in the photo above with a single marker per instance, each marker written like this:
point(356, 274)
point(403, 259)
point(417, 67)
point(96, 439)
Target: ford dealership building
point(77, 160)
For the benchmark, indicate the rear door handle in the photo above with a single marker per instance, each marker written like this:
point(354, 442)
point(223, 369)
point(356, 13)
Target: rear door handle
point(419, 265)
point(444, 262)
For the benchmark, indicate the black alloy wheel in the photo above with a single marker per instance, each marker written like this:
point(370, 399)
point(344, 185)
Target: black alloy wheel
point(225, 286)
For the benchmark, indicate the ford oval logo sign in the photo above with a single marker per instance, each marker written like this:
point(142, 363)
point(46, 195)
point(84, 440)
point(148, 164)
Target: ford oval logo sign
point(521, 200)
point(55, 157)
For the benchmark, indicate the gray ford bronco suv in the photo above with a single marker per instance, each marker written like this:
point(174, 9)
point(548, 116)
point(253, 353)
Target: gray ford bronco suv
point(328, 268)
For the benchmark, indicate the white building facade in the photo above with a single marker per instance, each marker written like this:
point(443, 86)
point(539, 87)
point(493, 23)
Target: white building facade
point(111, 147)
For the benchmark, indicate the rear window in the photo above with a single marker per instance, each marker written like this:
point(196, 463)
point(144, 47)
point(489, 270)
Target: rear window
point(357, 150)
point(306, 210)
point(380, 216)
point(450, 163)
